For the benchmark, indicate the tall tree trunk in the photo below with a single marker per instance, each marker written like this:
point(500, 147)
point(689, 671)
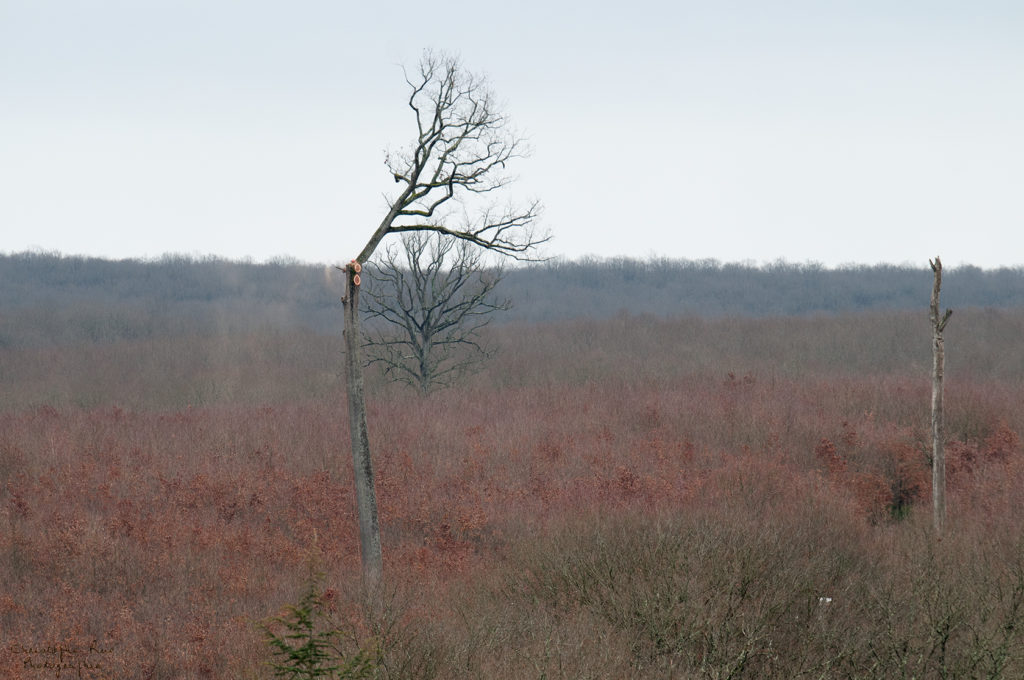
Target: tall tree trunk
point(938, 426)
point(366, 496)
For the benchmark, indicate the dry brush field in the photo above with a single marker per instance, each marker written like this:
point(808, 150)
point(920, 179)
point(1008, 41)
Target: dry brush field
point(635, 497)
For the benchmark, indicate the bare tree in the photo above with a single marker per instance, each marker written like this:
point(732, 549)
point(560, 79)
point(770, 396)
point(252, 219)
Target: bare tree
point(430, 301)
point(450, 179)
point(938, 426)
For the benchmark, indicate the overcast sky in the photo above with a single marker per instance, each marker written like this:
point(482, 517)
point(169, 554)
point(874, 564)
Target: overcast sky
point(829, 131)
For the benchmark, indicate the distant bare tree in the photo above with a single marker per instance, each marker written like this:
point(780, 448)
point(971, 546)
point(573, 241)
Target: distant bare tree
point(430, 298)
point(449, 178)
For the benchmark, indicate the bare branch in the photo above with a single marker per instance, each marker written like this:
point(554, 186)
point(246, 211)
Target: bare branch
point(456, 165)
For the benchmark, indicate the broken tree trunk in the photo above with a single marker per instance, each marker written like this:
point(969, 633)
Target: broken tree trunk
point(938, 427)
point(366, 496)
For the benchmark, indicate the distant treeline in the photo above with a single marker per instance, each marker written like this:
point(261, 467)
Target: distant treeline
point(48, 299)
point(593, 287)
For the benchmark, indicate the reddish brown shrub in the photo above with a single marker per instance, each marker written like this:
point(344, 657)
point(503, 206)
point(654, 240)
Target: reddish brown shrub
point(1001, 444)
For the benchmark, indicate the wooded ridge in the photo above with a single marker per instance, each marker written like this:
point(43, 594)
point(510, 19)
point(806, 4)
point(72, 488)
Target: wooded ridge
point(49, 299)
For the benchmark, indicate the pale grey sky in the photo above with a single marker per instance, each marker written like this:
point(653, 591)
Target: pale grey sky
point(832, 131)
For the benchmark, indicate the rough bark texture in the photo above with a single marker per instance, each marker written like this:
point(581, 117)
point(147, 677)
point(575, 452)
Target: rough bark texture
point(938, 427)
point(366, 495)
